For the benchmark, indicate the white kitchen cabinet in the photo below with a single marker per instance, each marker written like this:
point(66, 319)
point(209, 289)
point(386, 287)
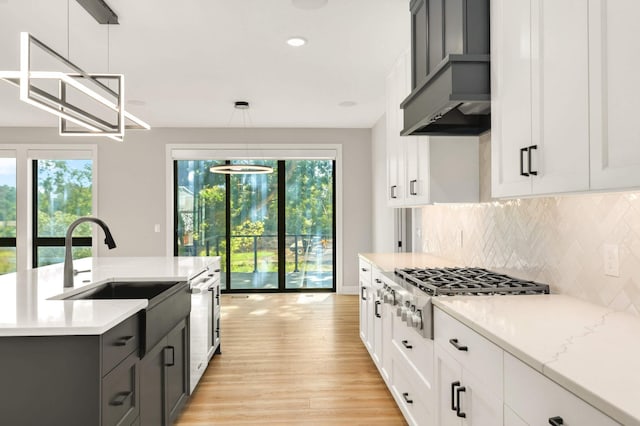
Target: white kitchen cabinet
point(366, 296)
point(375, 318)
point(540, 97)
point(468, 375)
point(532, 399)
point(424, 170)
point(614, 60)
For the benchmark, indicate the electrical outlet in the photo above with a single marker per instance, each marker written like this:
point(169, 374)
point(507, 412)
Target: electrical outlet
point(611, 260)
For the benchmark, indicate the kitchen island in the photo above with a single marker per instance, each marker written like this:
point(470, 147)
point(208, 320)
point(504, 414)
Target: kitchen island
point(102, 362)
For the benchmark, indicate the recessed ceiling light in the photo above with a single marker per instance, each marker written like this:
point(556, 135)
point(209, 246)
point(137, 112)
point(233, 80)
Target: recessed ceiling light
point(309, 4)
point(347, 103)
point(296, 41)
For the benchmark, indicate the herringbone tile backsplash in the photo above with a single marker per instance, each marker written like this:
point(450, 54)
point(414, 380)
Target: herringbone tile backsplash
point(554, 240)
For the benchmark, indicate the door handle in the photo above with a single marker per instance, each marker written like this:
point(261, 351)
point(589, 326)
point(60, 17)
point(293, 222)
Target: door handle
point(453, 395)
point(458, 392)
point(531, 148)
point(522, 151)
point(412, 187)
point(173, 356)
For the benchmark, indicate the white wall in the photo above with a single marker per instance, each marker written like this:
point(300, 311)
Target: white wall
point(383, 241)
point(132, 190)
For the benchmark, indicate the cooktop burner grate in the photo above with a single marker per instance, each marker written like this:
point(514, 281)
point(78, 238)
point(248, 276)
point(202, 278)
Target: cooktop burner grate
point(468, 281)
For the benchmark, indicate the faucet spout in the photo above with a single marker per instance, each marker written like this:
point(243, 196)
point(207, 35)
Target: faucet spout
point(68, 256)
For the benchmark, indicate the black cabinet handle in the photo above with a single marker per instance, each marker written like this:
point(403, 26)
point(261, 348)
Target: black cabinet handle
point(531, 148)
point(216, 270)
point(375, 309)
point(378, 280)
point(458, 392)
point(522, 151)
point(364, 269)
point(393, 191)
point(123, 341)
point(120, 398)
point(458, 346)
point(406, 398)
point(362, 296)
point(412, 187)
point(556, 421)
point(406, 344)
point(453, 395)
point(173, 356)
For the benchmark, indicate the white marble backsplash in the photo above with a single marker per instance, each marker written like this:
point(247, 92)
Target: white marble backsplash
point(555, 240)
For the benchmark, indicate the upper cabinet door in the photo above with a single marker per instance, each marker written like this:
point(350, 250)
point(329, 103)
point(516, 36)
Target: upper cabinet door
point(560, 96)
point(510, 95)
point(540, 97)
point(614, 61)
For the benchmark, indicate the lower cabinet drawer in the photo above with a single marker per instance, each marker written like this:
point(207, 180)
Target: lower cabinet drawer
point(120, 393)
point(474, 352)
point(535, 399)
point(416, 349)
point(119, 342)
point(412, 396)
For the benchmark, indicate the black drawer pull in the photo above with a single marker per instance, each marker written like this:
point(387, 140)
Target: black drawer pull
point(362, 292)
point(123, 341)
point(393, 191)
point(173, 356)
point(364, 269)
point(375, 309)
point(378, 280)
point(120, 398)
point(556, 421)
point(406, 344)
point(531, 148)
point(406, 398)
point(458, 412)
point(216, 270)
point(522, 151)
point(458, 346)
point(453, 395)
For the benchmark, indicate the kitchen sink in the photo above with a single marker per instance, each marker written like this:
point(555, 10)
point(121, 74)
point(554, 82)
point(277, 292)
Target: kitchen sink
point(169, 302)
point(150, 290)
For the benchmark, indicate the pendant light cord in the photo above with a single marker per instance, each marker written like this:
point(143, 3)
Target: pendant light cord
point(68, 49)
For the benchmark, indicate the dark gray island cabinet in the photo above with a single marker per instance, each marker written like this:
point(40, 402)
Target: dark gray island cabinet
point(94, 379)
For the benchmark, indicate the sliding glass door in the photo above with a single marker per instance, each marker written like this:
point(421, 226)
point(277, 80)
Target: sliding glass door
point(274, 232)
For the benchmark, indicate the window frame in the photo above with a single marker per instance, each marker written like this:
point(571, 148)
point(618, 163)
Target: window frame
point(286, 151)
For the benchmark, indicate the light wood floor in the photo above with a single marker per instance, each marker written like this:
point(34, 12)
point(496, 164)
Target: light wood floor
point(291, 359)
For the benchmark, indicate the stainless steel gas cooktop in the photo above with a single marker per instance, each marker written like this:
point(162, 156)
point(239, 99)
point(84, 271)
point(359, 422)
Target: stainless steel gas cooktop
point(467, 281)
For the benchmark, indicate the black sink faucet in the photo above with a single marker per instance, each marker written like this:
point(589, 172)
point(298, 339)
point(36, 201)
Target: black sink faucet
point(68, 257)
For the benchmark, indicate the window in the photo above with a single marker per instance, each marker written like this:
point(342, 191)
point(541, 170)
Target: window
point(62, 192)
point(8, 221)
point(274, 232)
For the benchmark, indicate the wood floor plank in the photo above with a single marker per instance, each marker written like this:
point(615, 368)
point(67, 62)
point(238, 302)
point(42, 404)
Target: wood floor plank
point(291, 359)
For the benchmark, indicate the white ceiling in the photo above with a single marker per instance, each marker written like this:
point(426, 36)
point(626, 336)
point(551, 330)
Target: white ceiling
point(189, 60)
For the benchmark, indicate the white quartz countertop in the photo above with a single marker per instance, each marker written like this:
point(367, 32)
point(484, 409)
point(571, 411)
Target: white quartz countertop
point(589, 350)
point(30, 305)
point(390, 261)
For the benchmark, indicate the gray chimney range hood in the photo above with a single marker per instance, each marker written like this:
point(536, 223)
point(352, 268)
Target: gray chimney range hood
point(450, 68)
